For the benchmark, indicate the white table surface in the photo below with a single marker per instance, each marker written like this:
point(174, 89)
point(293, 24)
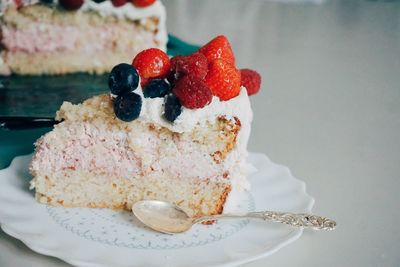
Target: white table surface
point(329, 109)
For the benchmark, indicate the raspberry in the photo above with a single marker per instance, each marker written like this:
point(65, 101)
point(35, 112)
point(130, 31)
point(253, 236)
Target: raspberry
point(143, 82)
point(18, 3)
point(71, 4)
point(192, 92)
point(118, 3)
point(152, 63)
point(143, 3)
point(196, 65)
point(223, 79)
point(218, 48)
point(251, 79)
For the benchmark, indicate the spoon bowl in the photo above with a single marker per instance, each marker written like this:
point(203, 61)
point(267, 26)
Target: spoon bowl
point(162, 216)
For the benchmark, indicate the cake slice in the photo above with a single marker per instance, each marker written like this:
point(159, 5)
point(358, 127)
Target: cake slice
point(76, 35)
point(153, 137)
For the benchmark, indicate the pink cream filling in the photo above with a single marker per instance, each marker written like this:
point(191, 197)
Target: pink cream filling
point(102, 152)
point(88, 151)
point(39, 37)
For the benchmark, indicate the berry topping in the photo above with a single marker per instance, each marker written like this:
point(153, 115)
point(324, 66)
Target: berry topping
point(184, 81)
point(192, 92)
point(118, 3)
point(156, 88)
point(152, 63)
point(223, 79)
point(218, 48)
point(251, 79)
point(98, 1)
point(195, 65)
point(71, 4)
point(18, 3)
point(123, 79)
point(143, 3)
point(173, 108)
point(143, 82)
point(127, 107)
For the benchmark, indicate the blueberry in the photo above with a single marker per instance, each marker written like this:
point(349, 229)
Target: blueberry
point(98, 1)
point(127, 107)
point(173, 108)
point(156, 88)
point(123, 79)
point(46, 1)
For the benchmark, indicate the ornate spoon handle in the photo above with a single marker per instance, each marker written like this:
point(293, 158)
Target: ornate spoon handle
point(296, 219)
point(293, 219)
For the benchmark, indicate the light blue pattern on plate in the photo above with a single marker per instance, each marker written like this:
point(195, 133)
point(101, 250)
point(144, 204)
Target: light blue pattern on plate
point(122, 229)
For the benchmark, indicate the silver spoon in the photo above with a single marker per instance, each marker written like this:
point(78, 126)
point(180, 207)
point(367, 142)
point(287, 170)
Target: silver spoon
point(168, 218)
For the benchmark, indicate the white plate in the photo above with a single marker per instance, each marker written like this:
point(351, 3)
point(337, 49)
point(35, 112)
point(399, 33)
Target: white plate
point(102, 237)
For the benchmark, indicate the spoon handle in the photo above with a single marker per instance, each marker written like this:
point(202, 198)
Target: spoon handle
point(303, 220)
point(296, 219)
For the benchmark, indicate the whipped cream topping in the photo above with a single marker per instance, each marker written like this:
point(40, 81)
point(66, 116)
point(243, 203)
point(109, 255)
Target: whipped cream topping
point(239, 106)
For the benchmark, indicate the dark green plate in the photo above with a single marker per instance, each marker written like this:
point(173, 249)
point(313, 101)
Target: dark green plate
point(41, 96)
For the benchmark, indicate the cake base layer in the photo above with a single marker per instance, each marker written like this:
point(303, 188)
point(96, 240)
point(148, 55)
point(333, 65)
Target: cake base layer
point(65, 62)
point(196, 197)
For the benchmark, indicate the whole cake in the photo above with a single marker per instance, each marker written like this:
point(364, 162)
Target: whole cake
point(171, 129)
point(76, 35)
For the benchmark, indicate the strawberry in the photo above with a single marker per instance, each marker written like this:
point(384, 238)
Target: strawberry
point(218, 48)
point(152, 63)
point(143, 3)
point(223, 79)
point(251, 80)
point(192, 92)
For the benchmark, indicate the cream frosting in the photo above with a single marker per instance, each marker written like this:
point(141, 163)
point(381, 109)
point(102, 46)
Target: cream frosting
point(239, 106)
